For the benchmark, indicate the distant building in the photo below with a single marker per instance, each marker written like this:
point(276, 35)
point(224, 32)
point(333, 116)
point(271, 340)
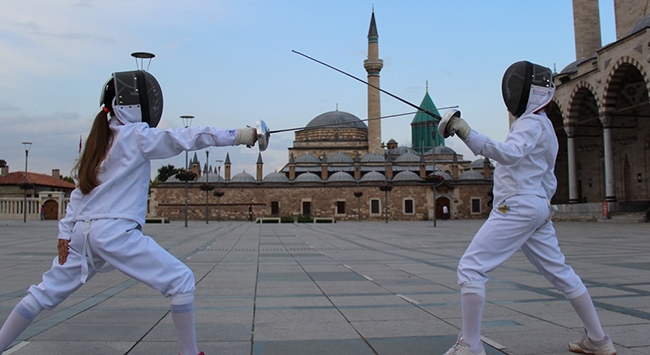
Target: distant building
point(49, 191)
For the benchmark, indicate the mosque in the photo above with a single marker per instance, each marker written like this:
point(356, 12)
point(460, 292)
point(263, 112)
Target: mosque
point(338, 167)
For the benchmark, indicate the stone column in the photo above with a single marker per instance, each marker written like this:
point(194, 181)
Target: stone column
point(571, 157)
point(608, 150)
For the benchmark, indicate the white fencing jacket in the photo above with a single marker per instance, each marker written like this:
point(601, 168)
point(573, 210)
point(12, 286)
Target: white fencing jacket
point(125, 172)
point(526, 159)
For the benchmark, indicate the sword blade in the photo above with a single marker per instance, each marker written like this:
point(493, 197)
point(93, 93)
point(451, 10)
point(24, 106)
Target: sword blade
point(372, 86)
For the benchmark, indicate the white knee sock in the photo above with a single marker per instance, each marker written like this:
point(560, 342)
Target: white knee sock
point(19, 319)
point(584, 306)
point(184, 324)
point(472, 299)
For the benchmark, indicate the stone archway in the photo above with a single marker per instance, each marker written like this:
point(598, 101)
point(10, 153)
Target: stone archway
point(627, 102)
point(584, 116)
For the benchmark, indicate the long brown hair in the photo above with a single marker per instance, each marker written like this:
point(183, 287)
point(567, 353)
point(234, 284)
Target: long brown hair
point(97, 144)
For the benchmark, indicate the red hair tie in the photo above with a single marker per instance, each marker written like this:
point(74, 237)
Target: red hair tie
point(105, 109)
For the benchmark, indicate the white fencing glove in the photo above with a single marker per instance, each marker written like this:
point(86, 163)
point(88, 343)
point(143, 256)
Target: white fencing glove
point(247, 136)
point(451, 124)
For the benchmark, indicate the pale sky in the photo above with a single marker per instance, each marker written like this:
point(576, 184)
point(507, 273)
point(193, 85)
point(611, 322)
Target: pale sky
point(229, 63)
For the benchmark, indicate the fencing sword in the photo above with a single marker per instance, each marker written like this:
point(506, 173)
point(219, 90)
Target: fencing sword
point(264, 133)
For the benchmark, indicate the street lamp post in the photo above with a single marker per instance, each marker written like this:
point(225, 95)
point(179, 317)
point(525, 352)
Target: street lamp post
point(187, 121)
point(27, 145)
point(219, 193)
point(358, 195)
point(207, 186)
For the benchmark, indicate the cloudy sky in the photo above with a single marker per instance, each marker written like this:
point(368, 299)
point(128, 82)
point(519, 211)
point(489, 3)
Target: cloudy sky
point(229, 63)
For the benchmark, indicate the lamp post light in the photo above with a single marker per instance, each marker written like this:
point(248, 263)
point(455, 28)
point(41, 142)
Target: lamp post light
point(219, 193)
point(187, 121)
point(27, 146)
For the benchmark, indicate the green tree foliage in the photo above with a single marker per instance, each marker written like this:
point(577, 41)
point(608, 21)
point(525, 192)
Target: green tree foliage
point(165, 172)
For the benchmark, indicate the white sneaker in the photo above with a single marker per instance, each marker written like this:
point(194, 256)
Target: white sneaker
point(461, 348)
point(586, 346)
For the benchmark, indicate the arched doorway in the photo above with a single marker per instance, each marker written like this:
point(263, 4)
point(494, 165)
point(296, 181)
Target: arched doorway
point(440, 203)
point(51, 210)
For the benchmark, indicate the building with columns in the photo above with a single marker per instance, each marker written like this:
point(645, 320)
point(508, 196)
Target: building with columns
point(601, 112)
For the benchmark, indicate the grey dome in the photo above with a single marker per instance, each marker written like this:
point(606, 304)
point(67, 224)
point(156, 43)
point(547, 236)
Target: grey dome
point(336, 119)
point(373, 158)
point(471, 175)
point(441, 150)
point(400, 150)
point(243, 177)
point(210, 177)
point(408, 157)
point(341, 176)
point(373, 176)
point(308, 158)
point(407, 176)
point(308, 177)
point(340, 158)
point(478, 164)
point(276, 177)
point(639, 25)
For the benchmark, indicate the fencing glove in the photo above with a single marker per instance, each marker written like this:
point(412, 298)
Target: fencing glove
point(247, 136)
point(451, 124)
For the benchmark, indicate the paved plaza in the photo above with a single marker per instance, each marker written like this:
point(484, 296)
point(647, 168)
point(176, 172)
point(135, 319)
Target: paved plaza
point(343, 288)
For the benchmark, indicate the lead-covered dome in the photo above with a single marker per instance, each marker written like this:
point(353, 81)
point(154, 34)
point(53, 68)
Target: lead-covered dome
point(336, 119)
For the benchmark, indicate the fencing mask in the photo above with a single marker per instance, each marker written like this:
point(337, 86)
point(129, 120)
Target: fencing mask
point(527, 87)
point(135, 97)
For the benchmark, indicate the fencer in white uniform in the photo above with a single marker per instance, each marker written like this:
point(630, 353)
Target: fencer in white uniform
point(524, 183)
point(102, 229)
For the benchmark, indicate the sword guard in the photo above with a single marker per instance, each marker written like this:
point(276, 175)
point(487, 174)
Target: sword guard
point(263, 135)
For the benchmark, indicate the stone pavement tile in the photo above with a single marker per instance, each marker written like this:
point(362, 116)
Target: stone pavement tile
point(529, 341)
point(209, 347)
point(298, 315)
point(404, 312)
point(311, 329)
point(430, 345)
point(368, 300)
point(211, 331)
point(70, 347)
point(403, 328)
point(313, 347)
point(76, 331)
point(633, 337)
point(119, 316)
point(283, 301)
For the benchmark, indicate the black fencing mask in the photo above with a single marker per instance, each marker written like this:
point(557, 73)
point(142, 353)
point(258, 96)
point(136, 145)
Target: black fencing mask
point(522, 78)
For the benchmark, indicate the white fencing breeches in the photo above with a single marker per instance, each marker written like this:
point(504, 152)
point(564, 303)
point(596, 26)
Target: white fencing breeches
point(120, 243)
point(521, 221)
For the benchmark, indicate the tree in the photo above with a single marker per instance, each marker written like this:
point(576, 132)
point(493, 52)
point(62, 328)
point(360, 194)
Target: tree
point(165, 172)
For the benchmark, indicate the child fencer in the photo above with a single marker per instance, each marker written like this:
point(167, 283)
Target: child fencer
point(106, 212)
point(524, 183)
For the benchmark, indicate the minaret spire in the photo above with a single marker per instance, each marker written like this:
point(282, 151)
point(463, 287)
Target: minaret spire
point(373, 66)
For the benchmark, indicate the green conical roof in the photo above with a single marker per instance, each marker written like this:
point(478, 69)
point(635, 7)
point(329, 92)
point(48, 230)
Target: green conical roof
point(428, 105)
point(423, 125)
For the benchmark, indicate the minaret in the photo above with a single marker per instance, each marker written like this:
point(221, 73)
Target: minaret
point(586, 26)
point(373, 66)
